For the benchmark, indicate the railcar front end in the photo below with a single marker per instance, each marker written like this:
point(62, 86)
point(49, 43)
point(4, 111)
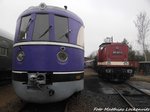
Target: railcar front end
point(48, 54)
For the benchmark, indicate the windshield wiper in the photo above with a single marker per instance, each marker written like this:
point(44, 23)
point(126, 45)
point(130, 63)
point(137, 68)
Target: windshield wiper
point(46, 31)
point(28, 25)
point(65, 35)
point(25, 32)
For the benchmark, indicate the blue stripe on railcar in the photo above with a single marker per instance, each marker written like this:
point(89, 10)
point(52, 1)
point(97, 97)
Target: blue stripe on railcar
point(44, 58)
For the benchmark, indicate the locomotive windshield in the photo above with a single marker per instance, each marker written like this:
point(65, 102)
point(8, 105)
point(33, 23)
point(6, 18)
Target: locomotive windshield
point(61, 29)
point(42, 27)
point(25, 22)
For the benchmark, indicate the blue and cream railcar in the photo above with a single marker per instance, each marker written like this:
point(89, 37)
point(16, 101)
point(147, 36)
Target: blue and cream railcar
point(48, 54)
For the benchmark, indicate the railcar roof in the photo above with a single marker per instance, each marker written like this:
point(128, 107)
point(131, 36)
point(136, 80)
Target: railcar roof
point(52, 10)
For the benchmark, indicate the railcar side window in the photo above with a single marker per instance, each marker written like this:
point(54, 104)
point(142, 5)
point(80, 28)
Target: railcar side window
point(24, 27)
point(80, 37)
point(42, 27)
point(3, 51)
point(61, 29)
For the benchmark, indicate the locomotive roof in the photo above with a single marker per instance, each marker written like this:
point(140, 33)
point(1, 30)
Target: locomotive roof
point(52, 10)
point(113, 43)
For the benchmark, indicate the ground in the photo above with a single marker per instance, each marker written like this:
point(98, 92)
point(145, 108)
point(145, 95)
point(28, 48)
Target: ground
point(6, 92)
point(91, 97)
point(141, 78)
point(8, 99)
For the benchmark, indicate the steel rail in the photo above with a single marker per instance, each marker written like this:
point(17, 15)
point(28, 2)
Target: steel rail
point(138, 89)
point(66, 108)
point(125, 99)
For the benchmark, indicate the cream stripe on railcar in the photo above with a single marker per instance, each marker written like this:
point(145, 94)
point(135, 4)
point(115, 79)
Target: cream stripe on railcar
point(48, 43)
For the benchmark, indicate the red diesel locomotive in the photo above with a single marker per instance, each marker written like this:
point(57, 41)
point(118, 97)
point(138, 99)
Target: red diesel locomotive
point(112, 62)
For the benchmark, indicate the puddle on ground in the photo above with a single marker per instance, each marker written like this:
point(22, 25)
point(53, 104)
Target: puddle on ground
point(108, 91)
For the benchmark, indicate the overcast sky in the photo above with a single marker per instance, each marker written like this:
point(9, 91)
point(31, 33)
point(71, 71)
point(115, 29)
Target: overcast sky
point(102, 18)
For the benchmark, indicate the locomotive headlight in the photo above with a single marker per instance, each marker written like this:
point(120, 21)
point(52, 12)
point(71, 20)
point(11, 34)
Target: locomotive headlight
point(129, 71)
point(126, 63)
point(62, 56)
point(108, 70)
point(20, 56)
point(108, 62)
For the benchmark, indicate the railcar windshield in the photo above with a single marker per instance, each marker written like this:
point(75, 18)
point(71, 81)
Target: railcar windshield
point(61, 29)
point(42, 27)
point(25, 22)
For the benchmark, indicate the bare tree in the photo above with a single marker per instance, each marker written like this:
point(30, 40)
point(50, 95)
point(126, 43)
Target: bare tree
point(142, 24)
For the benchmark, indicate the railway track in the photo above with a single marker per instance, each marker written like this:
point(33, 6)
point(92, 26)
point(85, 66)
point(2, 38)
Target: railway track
point(135, 99)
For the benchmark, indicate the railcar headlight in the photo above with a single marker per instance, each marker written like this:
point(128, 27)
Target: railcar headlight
point(20, 56)
point(42, 6)
point(62, 56)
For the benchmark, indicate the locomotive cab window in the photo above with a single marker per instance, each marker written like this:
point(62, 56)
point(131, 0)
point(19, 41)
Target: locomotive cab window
point(25, 22)
point(42, 27)
point(61, 29)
